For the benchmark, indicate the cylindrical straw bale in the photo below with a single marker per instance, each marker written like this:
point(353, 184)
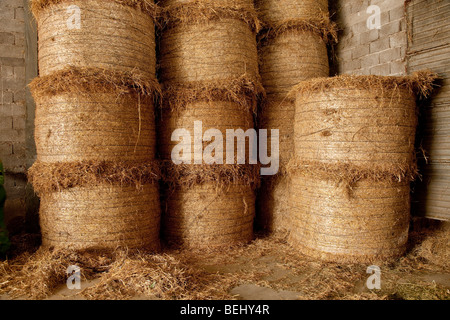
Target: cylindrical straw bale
point(368, 221)
point(366, 122)
point(101, 216)
point(219, 46)
point(96, 126)
point(290, 57)
point(217, 115)
point(276, 12)
point(205, 216)
point(112, 35)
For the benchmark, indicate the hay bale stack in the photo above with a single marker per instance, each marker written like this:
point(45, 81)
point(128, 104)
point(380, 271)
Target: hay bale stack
point(354, 159)
point(209, 73)
point(208, 42)
point(292, 48)
point(95, 134)
point(113, 35)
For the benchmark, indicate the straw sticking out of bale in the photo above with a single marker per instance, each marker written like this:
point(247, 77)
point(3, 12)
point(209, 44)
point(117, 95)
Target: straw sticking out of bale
point(202, 216)
point(367, 223)
point(187, 175)
point(50, 177)
point(97, 126)
point(243, 90)
point(85, 81)
point(103, 216)
point(217, 115)
point(112, 35)
point(175, 13)
point(145, 5)
point(275, 12)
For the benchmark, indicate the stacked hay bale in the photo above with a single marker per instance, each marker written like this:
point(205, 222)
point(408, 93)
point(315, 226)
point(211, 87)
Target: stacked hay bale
point(209, 73)
point(292, 48)
point(354, 159)
point(94, 128)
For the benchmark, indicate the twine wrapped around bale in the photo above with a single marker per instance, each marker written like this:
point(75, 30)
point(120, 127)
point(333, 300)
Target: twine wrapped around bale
point(368, 222)
point(205, 42)
point(208, 205)
point(218, 115)
point(276, 12)
point(112, 35)
point(367, 123)
point(95, 119)
point(104, 215)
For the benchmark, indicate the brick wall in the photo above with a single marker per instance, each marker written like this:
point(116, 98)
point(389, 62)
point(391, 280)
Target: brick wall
point(371, 51)
point(15, 107)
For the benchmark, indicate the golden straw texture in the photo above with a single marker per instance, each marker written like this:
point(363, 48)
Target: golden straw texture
point(369, 127)
point(49, 177)
point(217, 50)
point(219, 115)
point(275, 12)
point(367, 222)
point(203, 216)
point(101, 216)
point(96, 126)
point(292, 57)
point(111, 36)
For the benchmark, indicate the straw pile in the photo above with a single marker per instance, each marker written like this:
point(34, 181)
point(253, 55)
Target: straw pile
point(95, 129)
point(354, 159)
point(292, 48)
point(113, 35)
point(209, 73)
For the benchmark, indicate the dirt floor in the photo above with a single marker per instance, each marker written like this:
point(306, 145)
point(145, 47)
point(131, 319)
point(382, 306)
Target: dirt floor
point(266, 269)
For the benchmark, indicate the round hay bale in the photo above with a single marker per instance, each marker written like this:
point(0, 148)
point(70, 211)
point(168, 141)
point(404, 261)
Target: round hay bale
point(273, 211)
point(208, 44)
point(291, 57)
point(368, 221)
point(113, 35)
point(102, 216)
point(276, 12)
point(219, 115)
point(91, 114)
point(96, 126)
point(366, 122)
point(205, 216)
